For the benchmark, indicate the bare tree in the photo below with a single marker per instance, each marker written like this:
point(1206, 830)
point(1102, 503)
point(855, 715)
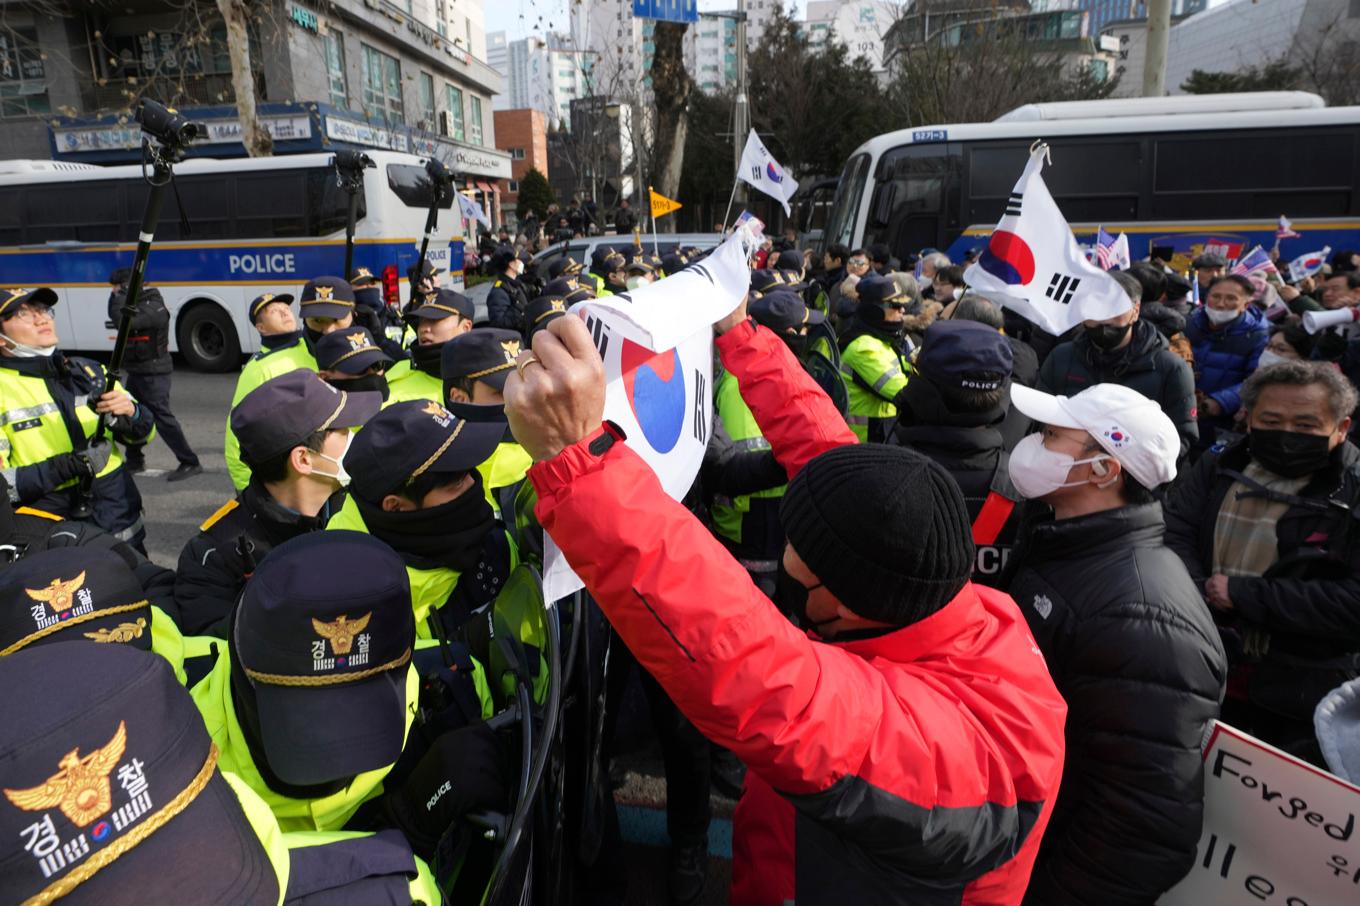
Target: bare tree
point(236, 14)
point(672, 87)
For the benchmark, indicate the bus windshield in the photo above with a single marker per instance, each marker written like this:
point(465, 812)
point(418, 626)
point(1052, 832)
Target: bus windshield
point(845, 207)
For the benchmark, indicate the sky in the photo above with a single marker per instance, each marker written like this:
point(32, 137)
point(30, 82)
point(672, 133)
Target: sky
point(521, 18)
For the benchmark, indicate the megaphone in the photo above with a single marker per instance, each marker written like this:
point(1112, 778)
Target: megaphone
point(1315, 321)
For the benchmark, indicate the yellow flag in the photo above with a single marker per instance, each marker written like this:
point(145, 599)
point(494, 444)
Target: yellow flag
point(662, 205)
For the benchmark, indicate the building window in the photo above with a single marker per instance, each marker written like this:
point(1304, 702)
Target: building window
point(455, 121)
point(426, 102)
point(517, 153)
point(382, 85)
point(514, 187)
point(335, 68)
point(475, 127)
point(23, 82)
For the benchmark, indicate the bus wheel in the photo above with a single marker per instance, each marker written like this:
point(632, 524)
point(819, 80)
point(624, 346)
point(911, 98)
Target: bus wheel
point(207, 339)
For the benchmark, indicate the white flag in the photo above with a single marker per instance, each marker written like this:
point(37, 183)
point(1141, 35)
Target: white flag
point(1119, 253)
point(472, 210)
point(1033, 265)
point(760, 169)
point(657, 347)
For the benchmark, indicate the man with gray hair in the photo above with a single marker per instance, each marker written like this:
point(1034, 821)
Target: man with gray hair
point(1129, 351)
point(1268, 529)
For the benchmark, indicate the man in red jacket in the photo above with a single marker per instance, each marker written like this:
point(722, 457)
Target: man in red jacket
point(908, 750)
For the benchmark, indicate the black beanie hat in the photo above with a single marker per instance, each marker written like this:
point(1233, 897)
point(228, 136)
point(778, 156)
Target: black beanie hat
point(884, 528)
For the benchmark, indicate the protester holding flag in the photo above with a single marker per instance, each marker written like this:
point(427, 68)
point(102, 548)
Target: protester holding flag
point(1126, 350)
point(874, 357)
point(1227, 334)
point(1131, 646)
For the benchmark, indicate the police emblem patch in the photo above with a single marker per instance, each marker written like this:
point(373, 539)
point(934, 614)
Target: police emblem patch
point(81, 787)
point(123, 632)
point(511, 349)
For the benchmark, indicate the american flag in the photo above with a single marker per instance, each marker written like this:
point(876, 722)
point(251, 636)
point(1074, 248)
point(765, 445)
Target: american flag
point(1286, 229)
point(1254, 261)
point(1104, 249)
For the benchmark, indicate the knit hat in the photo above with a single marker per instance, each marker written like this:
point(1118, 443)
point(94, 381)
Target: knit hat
point(884, 528)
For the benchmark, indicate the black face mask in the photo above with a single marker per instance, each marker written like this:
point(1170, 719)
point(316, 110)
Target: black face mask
point(427, 358)
point(367, 383)
point(1107, 337)
point(797, 343)
point(449, 536)
point(313, 336)
point(1291, 454)
point(280, 340)
point(791, 596)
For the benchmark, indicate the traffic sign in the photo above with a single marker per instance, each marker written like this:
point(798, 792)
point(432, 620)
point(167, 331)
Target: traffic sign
point(667, 10)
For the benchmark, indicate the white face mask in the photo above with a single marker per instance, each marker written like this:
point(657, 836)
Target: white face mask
point(24, 351)
point(339, 476)
point(1218, 317)
point(1036, 471)
point(637, 281)
point(1269, 357)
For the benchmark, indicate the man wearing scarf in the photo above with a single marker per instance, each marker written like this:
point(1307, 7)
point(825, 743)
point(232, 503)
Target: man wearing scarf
point(443, 315)
point(874, 358)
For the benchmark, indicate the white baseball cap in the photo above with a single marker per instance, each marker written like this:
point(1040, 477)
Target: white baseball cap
point(1127, 425)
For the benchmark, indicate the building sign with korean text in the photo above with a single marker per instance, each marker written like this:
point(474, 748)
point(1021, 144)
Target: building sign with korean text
point(357, 133)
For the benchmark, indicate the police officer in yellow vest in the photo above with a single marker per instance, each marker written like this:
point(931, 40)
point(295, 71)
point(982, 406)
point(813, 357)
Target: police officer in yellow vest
point(415, 485)
point(476, 365)
point(874, 358)
point(440, 316)
point(282, 350)
point(50, 408)
point(746, 480)
point(606, 272)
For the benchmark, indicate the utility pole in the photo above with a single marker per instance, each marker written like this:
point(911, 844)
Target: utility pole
point(741, 119)
point(1158, 38)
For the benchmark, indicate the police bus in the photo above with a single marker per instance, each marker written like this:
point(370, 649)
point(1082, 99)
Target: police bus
point(251, 226)
point(1181, 175)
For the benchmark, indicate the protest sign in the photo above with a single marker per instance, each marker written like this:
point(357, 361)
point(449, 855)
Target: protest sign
point(1276, 830)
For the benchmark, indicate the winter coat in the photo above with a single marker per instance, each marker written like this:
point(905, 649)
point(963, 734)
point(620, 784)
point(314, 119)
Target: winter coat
point(1135, 653)
point(1225, 356)
point(1146, 364)
point(148, 349)
point(915, 767)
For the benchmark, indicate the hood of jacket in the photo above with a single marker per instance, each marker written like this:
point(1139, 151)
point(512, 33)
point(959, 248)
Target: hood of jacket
point(1138, 355)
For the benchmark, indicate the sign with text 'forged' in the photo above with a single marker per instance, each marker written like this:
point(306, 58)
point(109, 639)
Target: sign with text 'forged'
point(1276, 830)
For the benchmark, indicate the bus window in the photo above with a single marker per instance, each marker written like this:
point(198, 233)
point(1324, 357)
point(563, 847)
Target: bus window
point(271, 204)
point(412, 185)
point(328, 204)
point(845, 208)
point(915, 201)
point(1093, 179)
point(206, 205)
point(11, 215)
point(1208, 177)
point(80, 211)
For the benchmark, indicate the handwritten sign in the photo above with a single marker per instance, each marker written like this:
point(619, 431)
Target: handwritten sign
point(1276, 830)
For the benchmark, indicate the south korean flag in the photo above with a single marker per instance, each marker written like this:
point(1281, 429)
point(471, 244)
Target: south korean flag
point(1033, 265)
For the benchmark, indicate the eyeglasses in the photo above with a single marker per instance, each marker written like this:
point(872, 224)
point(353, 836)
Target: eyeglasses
point(31, 312)
point(859, 262)
point(898, 306)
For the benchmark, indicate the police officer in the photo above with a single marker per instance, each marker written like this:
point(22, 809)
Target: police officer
point(148, 366)
point(558, 296)
point(350, 360)
point(327, 304)
point(282, 350)
point(317, 695)
point(874, 358)
point(440, 317)
point(952, 411)
point(475, 367)
point(606, 271)
point(416, 487)
point(50, 407)
point(294, 431)
point(566, 266)
point(373, 314)
point(639, 271)
point(506, 302)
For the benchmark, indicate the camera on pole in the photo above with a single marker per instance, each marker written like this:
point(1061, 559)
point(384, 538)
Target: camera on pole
point(441, 185)
point(349, 175)
point(167, 126)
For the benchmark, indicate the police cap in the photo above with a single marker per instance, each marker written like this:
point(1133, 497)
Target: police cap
point(790, 260)
point(144, 802)
point(409, 439)
point(605, 260)
point(16, 297)
point(262, 302)
point(768, 279)
point(543, 311)
point(570, 288)
point(640, 263)
point(781, 309)
point(327, 652)
point(72, 593)
point(564, 266)
point(502, 256)
point(878, 290)
point(350, 350)
point(327, 297)
point(284, 411)
point(953, 352)
point(441, 304)
point(484, 354)
point(361, 276)
point(673, 263)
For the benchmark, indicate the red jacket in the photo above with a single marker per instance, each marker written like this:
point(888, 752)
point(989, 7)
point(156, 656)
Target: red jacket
point(917, 767)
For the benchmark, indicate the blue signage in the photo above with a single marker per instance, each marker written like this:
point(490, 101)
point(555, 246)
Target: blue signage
point(930, 135)
point(667, 10)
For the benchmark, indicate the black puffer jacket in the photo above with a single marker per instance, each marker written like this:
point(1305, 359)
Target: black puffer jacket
point(1147, 365)
point(1307, 599)
point(148, 349)
point(1133, 650)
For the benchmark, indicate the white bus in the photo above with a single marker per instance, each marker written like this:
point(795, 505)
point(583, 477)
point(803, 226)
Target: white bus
point(256, 225)
point(1181, 175)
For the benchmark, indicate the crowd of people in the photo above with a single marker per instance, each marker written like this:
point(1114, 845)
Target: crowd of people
point(948, 609)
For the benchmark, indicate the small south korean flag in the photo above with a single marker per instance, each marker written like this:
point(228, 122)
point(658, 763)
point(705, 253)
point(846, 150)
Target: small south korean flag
point(760, 169)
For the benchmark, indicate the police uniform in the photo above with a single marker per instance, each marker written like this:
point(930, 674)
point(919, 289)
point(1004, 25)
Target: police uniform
point(603, 262)
point(372, 313)
point(456, 567)
point(873, 362)
point(280, 355)
point(506, 301)
point(418, 378)
point(274, 418)
point(47, 422)
point(360, 362)
point(488, 355)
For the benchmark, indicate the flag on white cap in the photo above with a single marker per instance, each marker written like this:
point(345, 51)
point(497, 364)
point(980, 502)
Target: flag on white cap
point(760, 169)
point(471, 210)
point(1033, 265)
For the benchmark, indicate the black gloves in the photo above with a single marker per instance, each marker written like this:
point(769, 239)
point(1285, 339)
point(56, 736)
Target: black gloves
point(465, 771)
point(67, 466)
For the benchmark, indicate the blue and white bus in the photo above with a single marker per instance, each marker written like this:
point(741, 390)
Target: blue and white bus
point(1180, 175)
point(254, 226)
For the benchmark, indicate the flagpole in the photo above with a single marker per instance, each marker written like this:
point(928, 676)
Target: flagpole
point(731, 198)
point(655, 249)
